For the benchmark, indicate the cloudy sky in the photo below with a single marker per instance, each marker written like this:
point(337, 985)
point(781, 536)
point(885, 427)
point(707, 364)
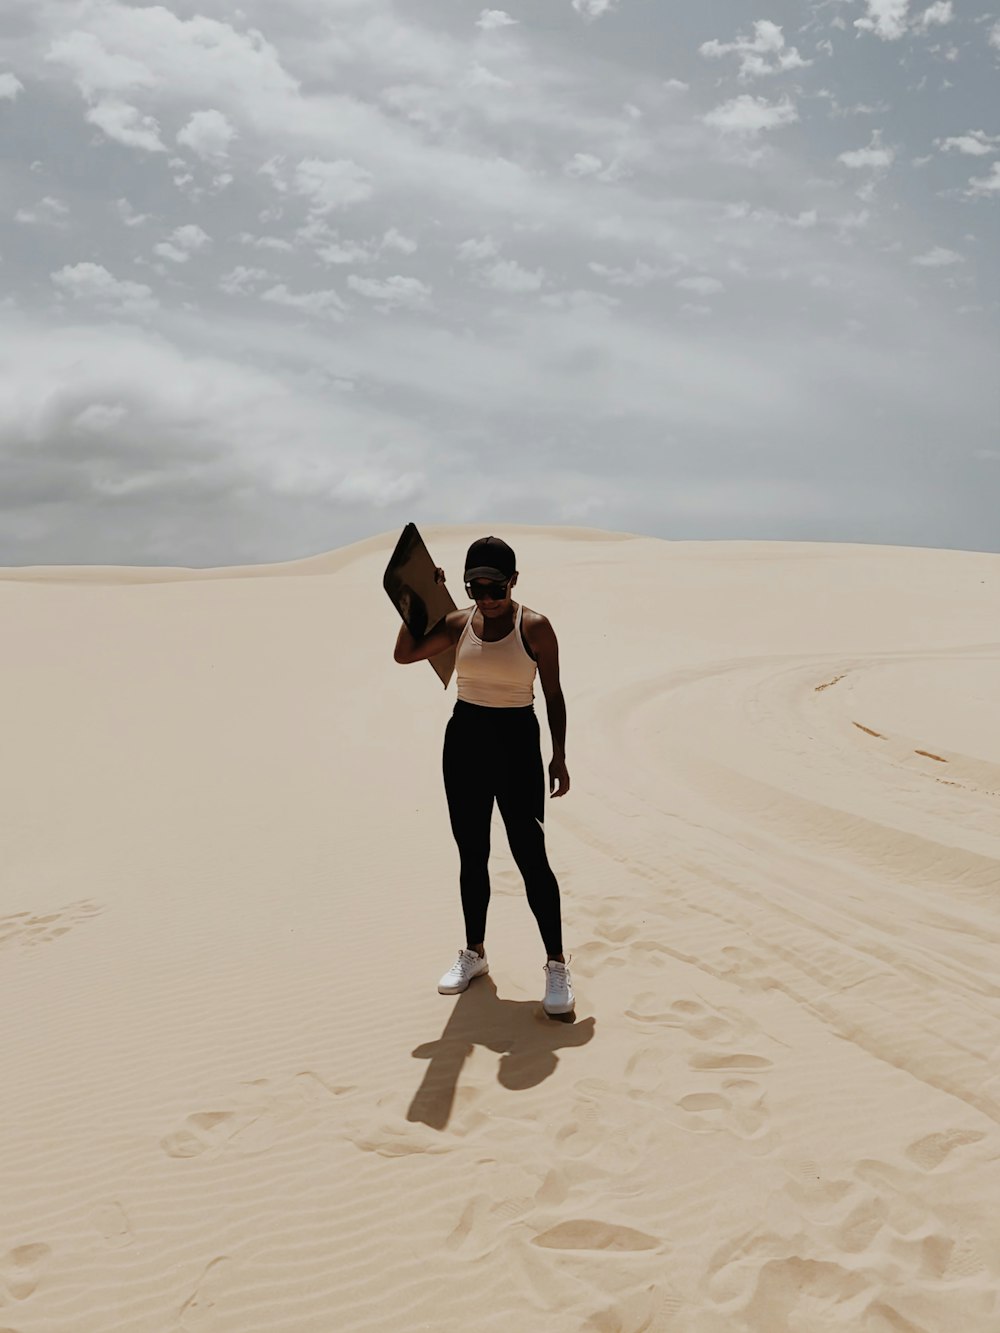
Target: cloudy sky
point(277, 277)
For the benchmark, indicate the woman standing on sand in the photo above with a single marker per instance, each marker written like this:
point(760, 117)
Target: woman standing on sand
point(492, 751)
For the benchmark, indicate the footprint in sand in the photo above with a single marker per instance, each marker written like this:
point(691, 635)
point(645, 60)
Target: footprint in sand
point(110, 1220)
point(21, 1270)
point(203, 1310)
point(930, 1151)
point(740, 1109)
point(28, 930)
point(261, 1114)
point(652, 1310)
point(586, 1233)
point(701, 1021)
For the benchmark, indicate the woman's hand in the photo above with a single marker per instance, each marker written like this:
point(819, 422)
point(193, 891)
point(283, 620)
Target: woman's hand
point(558, 773)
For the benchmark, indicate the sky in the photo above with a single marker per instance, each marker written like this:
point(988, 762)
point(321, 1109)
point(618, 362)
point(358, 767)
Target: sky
point(277, 278)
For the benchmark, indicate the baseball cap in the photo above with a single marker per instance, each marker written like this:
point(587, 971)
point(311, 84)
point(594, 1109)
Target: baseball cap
point(490, 558)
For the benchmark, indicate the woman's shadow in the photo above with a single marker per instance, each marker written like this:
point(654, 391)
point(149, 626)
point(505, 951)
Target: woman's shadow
point(524, 1036)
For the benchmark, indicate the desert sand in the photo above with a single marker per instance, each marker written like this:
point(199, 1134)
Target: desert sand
point(232, 1098)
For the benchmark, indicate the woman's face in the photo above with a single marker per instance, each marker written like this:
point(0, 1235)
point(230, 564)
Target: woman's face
point(495, 609)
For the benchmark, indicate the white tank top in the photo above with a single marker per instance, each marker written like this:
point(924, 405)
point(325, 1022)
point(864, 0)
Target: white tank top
point(495, 675)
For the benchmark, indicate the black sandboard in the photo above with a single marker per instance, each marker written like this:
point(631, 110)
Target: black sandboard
point(409, 581)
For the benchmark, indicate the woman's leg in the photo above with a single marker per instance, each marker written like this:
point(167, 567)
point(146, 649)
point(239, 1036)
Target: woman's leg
point(520, 794)
point(469, 789)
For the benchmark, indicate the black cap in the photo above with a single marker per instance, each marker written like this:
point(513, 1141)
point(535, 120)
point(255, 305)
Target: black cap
point(490, 558)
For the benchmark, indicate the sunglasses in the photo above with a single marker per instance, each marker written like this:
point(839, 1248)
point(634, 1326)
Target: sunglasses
point(495, 592)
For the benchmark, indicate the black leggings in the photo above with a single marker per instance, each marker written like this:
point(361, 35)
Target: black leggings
point(496, 752)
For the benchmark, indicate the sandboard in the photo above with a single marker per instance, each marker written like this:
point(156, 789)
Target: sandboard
point(409, 581)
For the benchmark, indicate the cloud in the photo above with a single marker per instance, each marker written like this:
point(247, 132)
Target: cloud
point(886, 18)
point(127, 125)
point(994, 37)
point(942, 11)
point(641, 274)
point(583, 164)
point(750, 115)
point(183, 243)
point(10, 86)
point(703, 285)
point(395, 240)
point(472, 250)
point(240, 280)
point(128, 214)
point(265, 242)
point(594, 9)
point(875, 155)
point(97, 70)
point(392, 292)
point(982, 187)
point(93, 282)
point(507, 275)
point(48, 211)
point(327, 304)
point(938, 257)
point(126, 48)
point(207, 133)
point(490, 19)
point(765, 53)
point(332, 185)
point(977, 143)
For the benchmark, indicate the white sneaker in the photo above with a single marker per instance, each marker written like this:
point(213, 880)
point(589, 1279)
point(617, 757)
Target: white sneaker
point(467, 965)
point(559, 997)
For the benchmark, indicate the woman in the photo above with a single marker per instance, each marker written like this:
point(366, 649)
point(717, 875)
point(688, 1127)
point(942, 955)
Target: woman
point(492, 751)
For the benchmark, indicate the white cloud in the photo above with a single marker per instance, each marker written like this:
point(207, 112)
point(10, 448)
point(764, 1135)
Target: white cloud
point(494, 18)
point(183, 243)
point(265, 242)
point(875, 155)
point(52, 212)
point(942, 11)
point(982, 187)
point(641, 274)
point(994, 38)
point(594, 9)
point(583, 164)
point(395, 240)
point(332, 185)
point(326, 303)
point(93, 282)
point(478, 250)
point(750, 115)
point(207, 133)
point(128, 214)
point(126, 124)
point(99, 418)
point(392, 292)
point(938, 257)
point(977, 143)
point(349, 252)
point(704, 286)
point(97, 70)
point(804, 220)
point(765, 53)
point(129, 47)
point(507, 275)
point(886, 18)
point(240, 280)
point(10, 86)
point(676, 85)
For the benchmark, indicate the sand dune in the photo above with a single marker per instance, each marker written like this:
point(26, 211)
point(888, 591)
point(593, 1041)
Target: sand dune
point(232, 1098)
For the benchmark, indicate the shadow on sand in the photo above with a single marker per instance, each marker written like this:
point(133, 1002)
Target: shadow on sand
point(520, 1031)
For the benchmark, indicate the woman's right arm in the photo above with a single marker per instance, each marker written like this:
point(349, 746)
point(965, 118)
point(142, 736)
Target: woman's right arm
point(409, 649)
